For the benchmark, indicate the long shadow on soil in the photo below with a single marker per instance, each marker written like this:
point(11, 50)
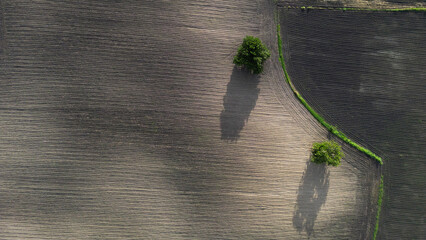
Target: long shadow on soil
point(238, 102)
point(311, 196)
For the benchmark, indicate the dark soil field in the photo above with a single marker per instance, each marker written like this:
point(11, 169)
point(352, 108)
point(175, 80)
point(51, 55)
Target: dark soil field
point(370, 4)
point(128, 120)
point(364, 72)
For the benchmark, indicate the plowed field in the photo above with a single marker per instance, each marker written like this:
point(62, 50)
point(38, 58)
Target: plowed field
point(128, 120)
point(364, 72)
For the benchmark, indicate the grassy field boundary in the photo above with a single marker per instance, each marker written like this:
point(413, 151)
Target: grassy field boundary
point(414, 9)
point(320, 119)
point(379, 207)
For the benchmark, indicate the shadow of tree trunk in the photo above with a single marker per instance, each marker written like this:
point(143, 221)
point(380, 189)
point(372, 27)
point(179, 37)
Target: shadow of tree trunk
point(312, 194)
point(238, 102)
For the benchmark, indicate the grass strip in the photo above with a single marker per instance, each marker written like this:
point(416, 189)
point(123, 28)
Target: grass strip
point(419, 9)
point(329, 127)
point(379, 206)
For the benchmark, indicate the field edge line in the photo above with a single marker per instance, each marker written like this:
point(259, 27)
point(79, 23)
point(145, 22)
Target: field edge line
point(379, 207)
point(408, 9)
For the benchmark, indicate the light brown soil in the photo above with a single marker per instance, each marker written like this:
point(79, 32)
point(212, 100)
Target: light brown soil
point(128, 120)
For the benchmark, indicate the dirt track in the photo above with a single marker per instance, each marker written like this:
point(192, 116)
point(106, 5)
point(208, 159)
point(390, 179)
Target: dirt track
point(128, 120)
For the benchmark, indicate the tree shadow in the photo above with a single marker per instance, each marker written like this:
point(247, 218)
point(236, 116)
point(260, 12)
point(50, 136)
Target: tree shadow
point(238, 102)
point(312, 194)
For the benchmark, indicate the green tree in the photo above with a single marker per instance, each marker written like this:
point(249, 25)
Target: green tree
point(251, 54)
point(328, 152)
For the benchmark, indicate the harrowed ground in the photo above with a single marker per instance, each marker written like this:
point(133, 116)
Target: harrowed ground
point(128, 120)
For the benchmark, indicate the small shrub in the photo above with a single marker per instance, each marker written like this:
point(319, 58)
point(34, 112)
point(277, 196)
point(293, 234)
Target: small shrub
point(251, 54)
point(328, 152)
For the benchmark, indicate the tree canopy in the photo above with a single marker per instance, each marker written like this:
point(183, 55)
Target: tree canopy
point(328, 152)
point(251, 54)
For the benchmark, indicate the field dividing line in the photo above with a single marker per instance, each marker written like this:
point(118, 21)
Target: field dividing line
point(412, 9)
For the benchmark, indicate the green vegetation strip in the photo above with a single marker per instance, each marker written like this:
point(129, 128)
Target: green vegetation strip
point(379, 206)
point(419, 9)
point(329, 127)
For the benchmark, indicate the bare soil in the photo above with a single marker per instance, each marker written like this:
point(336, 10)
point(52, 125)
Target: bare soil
point(128, 120)
point(364, 72)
